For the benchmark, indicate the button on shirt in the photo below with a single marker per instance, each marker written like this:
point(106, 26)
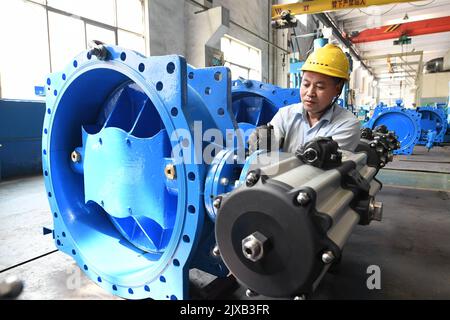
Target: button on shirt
point(292, 124)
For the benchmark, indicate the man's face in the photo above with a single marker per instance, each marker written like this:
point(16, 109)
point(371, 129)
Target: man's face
point(318, 91)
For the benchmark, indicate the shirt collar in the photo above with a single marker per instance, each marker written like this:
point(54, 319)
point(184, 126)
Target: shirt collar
point(326, 116)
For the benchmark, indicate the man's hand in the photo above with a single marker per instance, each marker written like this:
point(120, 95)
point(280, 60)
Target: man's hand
point(262, 138)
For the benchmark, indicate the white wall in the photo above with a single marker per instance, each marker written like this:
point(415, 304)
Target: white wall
point(435, 84)
point(176, 28)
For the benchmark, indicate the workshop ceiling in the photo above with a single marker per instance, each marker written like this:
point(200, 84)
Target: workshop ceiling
point(432, 45)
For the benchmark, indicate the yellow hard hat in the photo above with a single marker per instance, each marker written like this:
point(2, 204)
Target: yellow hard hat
point(329, 60)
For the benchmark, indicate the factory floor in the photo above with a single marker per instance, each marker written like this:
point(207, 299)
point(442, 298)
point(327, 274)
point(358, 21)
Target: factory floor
point(411, 246)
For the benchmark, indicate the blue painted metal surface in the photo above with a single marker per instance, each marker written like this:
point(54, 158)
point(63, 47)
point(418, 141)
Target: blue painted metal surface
point(295, 69)
point(134, 230)
point(255, 103)
point(320, 42)
point(433, 125)
point(222, 178)
point(20, 137)
point(405, 123)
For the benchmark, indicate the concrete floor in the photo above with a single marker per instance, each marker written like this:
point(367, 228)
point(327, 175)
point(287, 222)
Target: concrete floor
point(411, 245)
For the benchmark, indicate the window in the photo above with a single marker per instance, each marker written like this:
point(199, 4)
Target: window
point(243, 60)
point(303, 18)
point(42, 36)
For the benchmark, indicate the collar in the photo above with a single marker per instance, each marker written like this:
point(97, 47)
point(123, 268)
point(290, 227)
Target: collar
point(325, 117)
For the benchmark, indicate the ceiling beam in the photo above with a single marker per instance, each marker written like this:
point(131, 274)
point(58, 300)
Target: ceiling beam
point(411, 29)
point(391, 55)
point(318, 6)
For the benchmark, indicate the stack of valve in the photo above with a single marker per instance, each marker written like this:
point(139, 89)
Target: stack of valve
point(425, 125)
point(147, 173)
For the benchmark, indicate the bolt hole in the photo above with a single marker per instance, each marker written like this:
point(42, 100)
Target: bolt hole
point(191, 75)
point(75, 63)
point(49, 111)
point(86, 267)
point(49, 82)
point(207, 90)
point(191, 209)
point(130, 291)
point(218, 76)
point(58, 242)
point(55, 215)
point(162, 279)
point(220, 111)
point(170, 67)
point(186, 238)
point(159, 86)
point(49, 194)
point(99, 279)
point(176, 263)
point(174, 112)
point(141, 67)
point(147, 288)
point(45, 131)
point(191, 176)
point(114, 287)
point(74, 252)
point(123, 56)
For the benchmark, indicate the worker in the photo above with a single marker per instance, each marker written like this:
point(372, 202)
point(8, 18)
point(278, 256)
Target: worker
point(324, 74)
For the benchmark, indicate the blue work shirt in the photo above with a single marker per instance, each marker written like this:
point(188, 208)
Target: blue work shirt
point(291, 124)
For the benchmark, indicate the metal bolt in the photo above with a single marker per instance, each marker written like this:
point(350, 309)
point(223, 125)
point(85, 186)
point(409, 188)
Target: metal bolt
point(310, 155)
point(216, 251)
point(376, 210)
point(255, 246)
point(390, 157)
point(75, 156)
point(170, 171)
point(303, 198)
point(382, 164)
point(250, 293)
point(224, 181)
point(251, 179)
point(217, 202)
point(248, 83)
point(328, 257)
point(98, 49)
point(301, 297)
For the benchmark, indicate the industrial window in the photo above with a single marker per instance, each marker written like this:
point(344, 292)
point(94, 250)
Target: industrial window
point(243, 60)
point(303, 18)
point(41, 36)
